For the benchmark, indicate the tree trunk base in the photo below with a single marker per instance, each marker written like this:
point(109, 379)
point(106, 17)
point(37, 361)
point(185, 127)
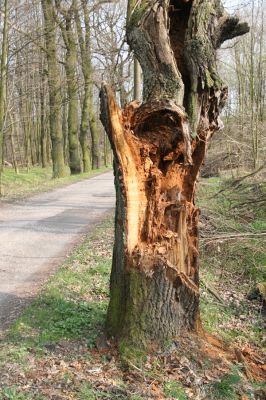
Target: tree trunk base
point(156, 308)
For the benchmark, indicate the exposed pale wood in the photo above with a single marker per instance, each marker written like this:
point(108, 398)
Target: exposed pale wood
point(128, 159)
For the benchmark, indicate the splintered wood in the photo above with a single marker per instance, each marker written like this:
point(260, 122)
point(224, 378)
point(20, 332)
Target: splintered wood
point(153, 146)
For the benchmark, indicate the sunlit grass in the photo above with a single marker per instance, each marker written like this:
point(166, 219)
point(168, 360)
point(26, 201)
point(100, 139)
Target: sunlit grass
point(35, 180)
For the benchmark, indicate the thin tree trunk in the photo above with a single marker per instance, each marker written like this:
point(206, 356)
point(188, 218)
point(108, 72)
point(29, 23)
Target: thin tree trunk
point(31, 131)
point(65, 129)
point(71, 61)
point(3, 84)
point(13, 149)
point(88, 118)
point(251, 89)
point(43, 132)
point(84, 130)
point(84, 44)
point(55, 99)
point(155, 272)
point(20, 150)
point(48, 140)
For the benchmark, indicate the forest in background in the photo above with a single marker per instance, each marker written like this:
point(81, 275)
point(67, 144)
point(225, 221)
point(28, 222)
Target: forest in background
point(65, 50)
point(54, 56)
point(240, 147)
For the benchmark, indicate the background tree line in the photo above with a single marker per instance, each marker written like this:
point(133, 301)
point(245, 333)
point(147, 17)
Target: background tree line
point(241, 145)
point(54, 55)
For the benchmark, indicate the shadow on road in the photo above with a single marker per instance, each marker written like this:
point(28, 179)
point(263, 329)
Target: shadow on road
point(11, 308)
point(51, 318)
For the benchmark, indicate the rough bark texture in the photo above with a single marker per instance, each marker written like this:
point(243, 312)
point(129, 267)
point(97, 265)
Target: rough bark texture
point(159, 147)
point(55, 98)
point(88, 119)
point(43, 133)
point(3, 83)
point(85, 53)
point(137, 81)
point(72, 91)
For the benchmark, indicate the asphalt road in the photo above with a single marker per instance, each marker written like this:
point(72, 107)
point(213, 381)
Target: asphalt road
point(37, 233)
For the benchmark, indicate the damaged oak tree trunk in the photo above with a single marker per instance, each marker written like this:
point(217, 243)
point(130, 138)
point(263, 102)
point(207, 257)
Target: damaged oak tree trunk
point(159, 147)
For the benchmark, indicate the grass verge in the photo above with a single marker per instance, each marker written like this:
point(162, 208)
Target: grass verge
point(52, 345)
point(37, 180)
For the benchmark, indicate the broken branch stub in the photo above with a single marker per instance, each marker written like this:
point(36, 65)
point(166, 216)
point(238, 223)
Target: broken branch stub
point(159, 147)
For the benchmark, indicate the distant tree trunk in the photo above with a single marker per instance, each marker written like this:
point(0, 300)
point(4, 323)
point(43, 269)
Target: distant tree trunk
point(252, 91)
point(65, 128)
point(3, 84)
point(43, 138)
point(88, 118)
point(84, 44)
point(18, 144)
point(71, 62)
point(159, 148)
point(13, 149)
point(55, 99)
point(95, 150)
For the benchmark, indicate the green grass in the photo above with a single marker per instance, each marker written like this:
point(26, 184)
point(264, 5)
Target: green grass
point(174, 390)
point(231, 267)
point(36, 180)
point(52, 318)
point(87, 392)
point(12, 393)
point(226, 387)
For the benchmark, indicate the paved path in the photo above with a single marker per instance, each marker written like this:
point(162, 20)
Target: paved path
point(37, 233)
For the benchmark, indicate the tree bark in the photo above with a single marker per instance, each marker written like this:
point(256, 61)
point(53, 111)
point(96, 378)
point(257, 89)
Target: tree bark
point(13, 149)
point(43, 133)
point(159, 147)
point(88, 119)
point(71, 62)
point(137, 80)
point(3, 85)
point(55, 99)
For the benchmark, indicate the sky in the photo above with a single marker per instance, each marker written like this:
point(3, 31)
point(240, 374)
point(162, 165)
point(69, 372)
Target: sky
point(235, 5)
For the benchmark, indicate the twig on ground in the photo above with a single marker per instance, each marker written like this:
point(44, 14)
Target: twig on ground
point(236, 183)
point(213, 293)
point(245, 235)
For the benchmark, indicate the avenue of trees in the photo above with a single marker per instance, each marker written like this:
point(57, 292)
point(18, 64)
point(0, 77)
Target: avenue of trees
point(54, 55)
point(240, 147)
